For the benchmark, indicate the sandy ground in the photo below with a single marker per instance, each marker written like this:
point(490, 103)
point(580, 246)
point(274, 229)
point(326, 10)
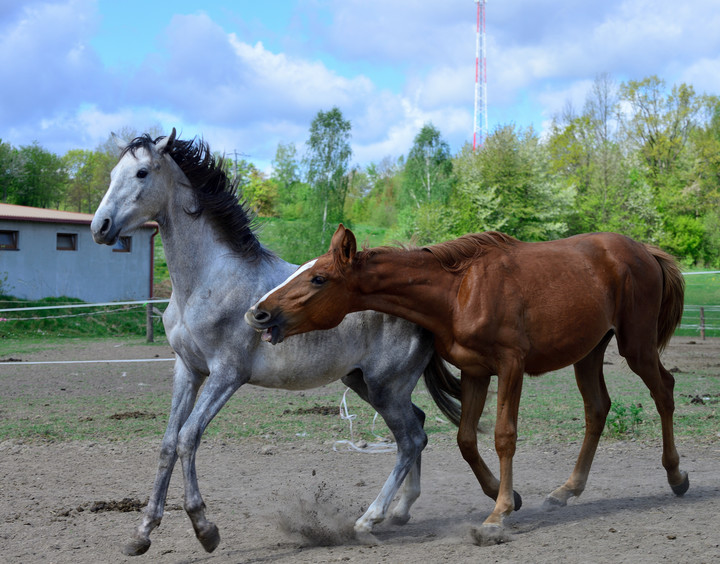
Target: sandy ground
point(63, 502)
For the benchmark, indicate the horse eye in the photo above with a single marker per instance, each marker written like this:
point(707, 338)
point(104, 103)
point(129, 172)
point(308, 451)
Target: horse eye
point(142, 173)
point(318, 280)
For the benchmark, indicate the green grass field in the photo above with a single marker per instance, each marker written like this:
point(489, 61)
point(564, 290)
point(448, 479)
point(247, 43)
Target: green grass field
point(701, 290)
point(551, 408)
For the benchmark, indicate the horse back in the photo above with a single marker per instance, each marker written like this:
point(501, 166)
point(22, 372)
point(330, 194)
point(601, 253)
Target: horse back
point(556, 300)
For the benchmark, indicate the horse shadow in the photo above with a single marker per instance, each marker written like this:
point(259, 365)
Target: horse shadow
point(533, 517)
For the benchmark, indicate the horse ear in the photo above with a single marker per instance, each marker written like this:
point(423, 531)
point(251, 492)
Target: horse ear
point(166, 143)
point(119, 142)
point(343, 244)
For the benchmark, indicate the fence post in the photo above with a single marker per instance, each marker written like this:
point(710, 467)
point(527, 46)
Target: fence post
point(149, 323)
point(702, 323)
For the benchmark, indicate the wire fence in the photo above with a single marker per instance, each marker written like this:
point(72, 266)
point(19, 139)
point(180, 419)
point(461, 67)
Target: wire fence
point(697, 320)
point(54, 318)
point(703, 321)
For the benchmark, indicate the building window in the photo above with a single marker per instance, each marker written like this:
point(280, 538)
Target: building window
point(67, 241)
point(8, 240)
point(123, 245)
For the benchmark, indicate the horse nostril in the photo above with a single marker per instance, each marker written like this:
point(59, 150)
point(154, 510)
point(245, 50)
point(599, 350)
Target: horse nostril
point(261, 315)
point(105, 226)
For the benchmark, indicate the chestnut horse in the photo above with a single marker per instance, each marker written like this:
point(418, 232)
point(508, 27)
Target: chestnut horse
point(499, 306)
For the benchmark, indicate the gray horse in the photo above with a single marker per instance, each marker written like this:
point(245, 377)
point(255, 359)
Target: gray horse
point(218, 270)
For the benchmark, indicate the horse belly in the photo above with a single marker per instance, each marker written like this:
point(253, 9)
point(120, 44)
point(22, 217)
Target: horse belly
point(562, 335)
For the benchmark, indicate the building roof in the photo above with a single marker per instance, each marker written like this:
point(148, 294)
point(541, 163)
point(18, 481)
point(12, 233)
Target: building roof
point(26, 213)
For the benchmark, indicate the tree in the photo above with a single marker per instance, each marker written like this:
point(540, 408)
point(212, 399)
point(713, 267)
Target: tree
point(517, 180)
point(377, 204)
point(259, 191)
point(476, 201)
point(660, 123)
point(426, 185)
point(41, 178)
point(587, 156)
point(428, 170)
point(327, 164)
point(292, 194)
point(8, 171)
point(286, 170)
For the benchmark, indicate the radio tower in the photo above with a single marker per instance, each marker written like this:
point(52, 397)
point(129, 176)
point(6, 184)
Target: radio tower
point(481, 124)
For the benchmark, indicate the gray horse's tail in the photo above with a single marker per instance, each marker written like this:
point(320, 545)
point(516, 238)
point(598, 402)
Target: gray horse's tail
point(443, 387)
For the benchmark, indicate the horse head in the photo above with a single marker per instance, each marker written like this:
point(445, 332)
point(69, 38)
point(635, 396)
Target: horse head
point(137, 187)
point(315, 297)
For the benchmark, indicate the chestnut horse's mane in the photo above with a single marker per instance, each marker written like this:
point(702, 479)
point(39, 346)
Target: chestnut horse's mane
point(456, 255)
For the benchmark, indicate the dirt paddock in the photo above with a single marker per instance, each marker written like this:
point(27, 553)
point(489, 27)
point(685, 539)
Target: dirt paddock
point(79, 501)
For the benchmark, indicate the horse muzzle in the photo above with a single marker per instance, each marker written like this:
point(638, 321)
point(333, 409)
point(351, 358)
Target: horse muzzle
point(104, 230)
point(263, 322)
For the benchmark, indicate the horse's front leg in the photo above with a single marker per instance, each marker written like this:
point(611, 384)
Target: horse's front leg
point(508, 402)
point(185, 388)
point(213, 396)
point(474, 389)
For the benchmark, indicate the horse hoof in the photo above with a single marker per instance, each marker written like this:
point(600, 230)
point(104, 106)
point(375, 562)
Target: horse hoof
point(489, 535)
point(552, 503)
point(366, 538)
point(682, 487)
point(517, 499)
point(209, 537)
point(137, 546)
point(400, 519)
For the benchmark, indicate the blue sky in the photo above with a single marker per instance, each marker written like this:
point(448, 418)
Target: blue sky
point(246, 75)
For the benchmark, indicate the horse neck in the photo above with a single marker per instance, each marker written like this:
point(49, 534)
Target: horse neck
point(192, 249)
point(408, 284)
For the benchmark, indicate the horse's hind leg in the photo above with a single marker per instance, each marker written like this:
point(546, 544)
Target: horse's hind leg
point(645, 362)
point(410, 492)
point(215, 394)
point(185, 388)
point(405, 421)
point(591, 382)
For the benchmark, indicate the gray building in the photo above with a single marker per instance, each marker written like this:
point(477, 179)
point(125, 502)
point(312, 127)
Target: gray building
point(49, 253)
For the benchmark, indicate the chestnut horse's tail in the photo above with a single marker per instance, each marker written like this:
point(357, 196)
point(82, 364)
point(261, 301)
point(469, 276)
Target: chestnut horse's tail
point(443, 387)
point(671, 309)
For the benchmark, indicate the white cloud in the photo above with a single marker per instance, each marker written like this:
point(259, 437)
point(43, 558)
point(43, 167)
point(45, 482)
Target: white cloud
point(390, 67)
point(703, 74)
point(44, 64)
point(401, 32)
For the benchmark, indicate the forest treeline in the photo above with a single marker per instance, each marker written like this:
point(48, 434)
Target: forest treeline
point(640, 158)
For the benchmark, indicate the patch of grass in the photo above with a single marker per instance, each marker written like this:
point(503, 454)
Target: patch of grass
point(105, 321)
point(551, 408)
point(82, 418)
point(623, 420)
point(701, 290)
point(19, 347)
point(284, 416)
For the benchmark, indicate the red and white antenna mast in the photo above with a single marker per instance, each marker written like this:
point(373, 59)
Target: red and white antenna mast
point(480, 129)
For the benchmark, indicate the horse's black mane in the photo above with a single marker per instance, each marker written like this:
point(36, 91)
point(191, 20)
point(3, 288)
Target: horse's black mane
point(216, 195)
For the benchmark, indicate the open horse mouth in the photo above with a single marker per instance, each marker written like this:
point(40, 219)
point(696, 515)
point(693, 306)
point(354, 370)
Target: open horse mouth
point(271, 335)
point(261, 322)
